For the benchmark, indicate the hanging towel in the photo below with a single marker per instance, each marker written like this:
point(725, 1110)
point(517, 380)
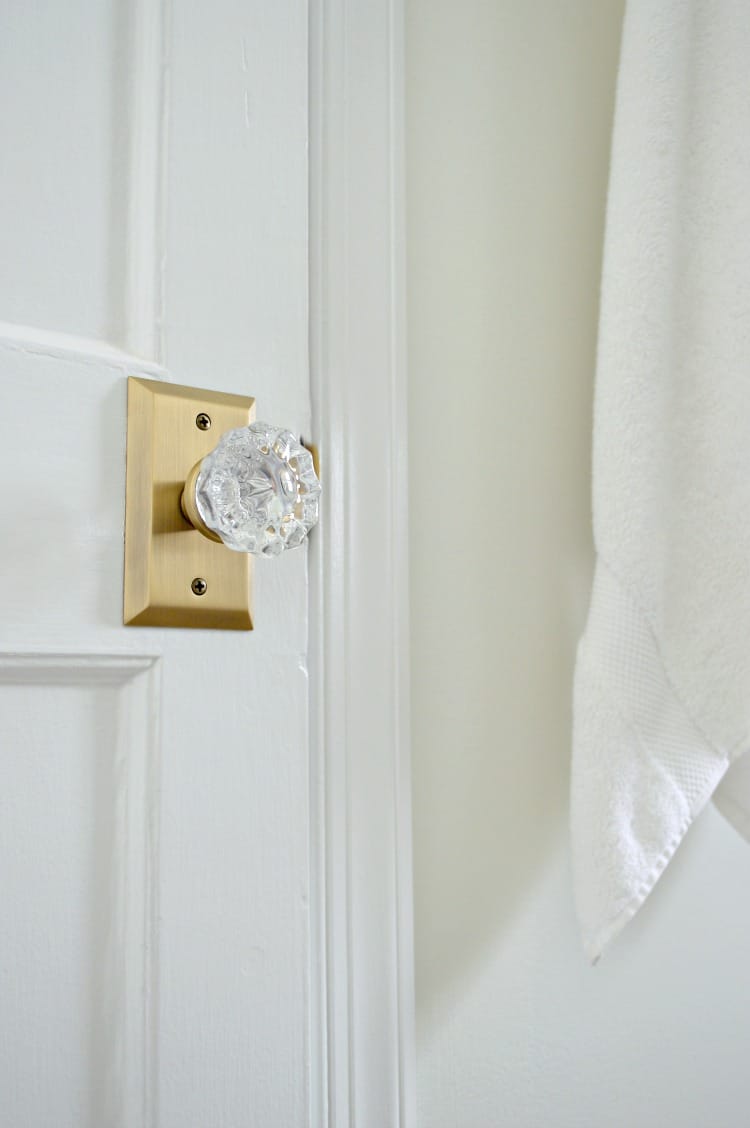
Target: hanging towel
point(662, 687)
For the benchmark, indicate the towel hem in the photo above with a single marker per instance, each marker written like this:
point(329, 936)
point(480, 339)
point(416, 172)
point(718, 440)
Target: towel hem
point(594, 947)
point(715, 763)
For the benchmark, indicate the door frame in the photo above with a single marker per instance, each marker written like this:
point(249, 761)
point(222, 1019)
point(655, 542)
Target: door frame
point(362, 1005)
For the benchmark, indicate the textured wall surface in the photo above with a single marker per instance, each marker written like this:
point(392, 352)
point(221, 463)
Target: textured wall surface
point(509, 117)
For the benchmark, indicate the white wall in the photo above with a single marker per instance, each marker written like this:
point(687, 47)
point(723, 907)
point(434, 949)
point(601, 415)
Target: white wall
point(509, 118)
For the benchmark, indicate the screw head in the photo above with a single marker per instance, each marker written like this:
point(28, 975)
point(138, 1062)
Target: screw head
point(199, 586)
point(202, 421)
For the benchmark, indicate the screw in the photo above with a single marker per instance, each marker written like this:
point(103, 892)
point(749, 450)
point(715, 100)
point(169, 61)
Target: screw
point(202, 421)
point(199, 586)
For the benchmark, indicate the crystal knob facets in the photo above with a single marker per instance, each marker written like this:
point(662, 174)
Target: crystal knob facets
point(257, 491)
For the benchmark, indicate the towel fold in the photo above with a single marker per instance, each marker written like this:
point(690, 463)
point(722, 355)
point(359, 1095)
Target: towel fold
point(662, 690)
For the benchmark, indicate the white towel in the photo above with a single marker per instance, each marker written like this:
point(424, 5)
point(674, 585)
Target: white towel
point(662, 693)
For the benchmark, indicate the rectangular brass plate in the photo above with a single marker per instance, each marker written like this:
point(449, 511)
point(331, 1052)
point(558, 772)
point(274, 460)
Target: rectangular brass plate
point(163, 553)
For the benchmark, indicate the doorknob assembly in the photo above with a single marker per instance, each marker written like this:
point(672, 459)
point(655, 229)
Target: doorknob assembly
point(257, 491)
point(191, 498)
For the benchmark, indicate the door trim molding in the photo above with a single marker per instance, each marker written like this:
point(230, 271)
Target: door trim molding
point(33, 341)
point(362, 1068)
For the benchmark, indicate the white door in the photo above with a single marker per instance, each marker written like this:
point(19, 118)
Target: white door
point(204, 909)
point(154, 859)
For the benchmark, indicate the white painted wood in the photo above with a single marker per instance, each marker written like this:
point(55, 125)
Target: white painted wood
point(359, 577)
point(228, 987)
point(78, 834)
point(147, 200)
point(34, 341)
point(63, 197)
point(250, 962)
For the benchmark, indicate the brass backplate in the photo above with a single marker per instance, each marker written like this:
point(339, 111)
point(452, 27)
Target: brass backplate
point(163, 553)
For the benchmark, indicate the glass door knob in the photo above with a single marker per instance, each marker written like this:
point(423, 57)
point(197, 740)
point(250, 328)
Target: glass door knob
point(257, 491)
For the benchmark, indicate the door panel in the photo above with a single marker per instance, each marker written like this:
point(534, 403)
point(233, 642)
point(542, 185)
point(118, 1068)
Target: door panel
point(78, 774)
point(64, 125)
